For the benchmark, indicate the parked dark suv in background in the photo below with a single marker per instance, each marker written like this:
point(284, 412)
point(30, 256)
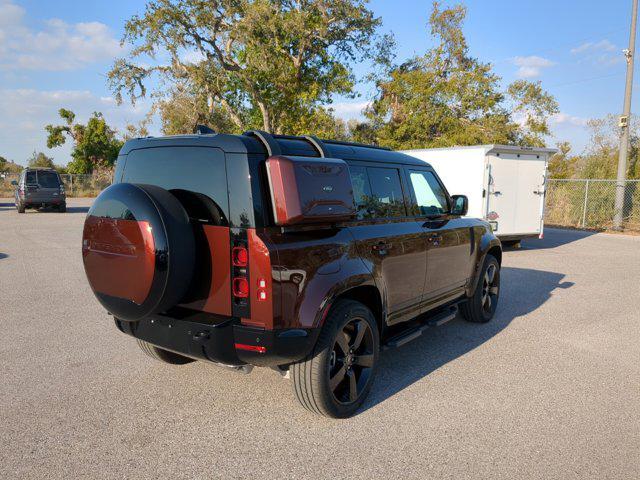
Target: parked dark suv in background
point(40, 187)
point(302, 255)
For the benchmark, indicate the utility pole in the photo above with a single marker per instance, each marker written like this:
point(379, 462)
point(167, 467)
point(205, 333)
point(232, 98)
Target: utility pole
point(624, 123)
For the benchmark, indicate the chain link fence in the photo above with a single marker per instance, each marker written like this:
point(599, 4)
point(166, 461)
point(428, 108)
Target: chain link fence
point(572, 203)
point(590, 204)
point(76, 185)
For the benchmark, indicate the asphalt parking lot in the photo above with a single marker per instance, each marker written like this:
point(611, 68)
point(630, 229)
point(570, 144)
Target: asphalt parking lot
point(549, 389)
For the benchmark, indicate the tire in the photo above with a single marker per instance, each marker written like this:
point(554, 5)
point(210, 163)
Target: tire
point(21, 208)
point(512, 243)
point(161, 355)
point(354, 368)
point(160, 243)
point(481, 307)
point(62, 208)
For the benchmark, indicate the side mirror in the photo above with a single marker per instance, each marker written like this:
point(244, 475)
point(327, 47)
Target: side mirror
point(460, 205)
point(14, 183)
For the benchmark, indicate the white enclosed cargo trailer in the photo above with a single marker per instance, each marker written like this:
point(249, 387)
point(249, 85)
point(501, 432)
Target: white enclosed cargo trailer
point(505, 184)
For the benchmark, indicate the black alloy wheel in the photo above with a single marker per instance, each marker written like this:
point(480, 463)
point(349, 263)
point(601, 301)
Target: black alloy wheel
point(490, 289)
point(336, 377)
point(351, 361)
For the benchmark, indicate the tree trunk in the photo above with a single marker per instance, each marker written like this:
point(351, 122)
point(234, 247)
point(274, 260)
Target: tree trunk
point(266, 118)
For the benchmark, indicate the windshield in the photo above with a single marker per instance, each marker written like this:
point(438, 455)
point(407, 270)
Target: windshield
point(48, 179)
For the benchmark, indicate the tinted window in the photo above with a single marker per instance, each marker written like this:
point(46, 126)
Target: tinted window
point(197, 175)
point(48, 179)
point(430, 197)
point(386, 198)
point(361, 190)
point(31, 178)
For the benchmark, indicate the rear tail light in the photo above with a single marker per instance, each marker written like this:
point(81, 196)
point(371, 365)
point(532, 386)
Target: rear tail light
point(239, 256)
point(250, 348)
point(61, 189)
point(240, 287)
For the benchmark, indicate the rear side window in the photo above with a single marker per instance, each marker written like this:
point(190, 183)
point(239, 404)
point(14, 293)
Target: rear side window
point(361, 191)
point(196, 175)
point(430, 197)
point(48, 179)
point(386, 191)
point(377, 192)
point(31, 178)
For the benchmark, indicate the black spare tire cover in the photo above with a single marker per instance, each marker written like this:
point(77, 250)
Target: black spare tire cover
point(138, 250)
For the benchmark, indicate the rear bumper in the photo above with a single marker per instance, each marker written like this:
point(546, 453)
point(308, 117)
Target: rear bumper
point(216, 342)
point(32, 200)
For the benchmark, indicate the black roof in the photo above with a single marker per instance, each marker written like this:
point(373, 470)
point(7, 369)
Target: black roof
point(261, 143)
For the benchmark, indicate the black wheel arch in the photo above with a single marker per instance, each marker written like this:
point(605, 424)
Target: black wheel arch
point(489, 245)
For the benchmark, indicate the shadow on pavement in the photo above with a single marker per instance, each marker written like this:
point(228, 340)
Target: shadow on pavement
point(554, 237)
point(522, 291)
point(3, 255)
point(7, 206)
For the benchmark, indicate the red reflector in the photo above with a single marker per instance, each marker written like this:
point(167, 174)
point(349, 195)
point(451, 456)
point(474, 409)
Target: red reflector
point(250, 348)
point(262, 283)
point(240, 256)
point(262, 295)
point(240, 287)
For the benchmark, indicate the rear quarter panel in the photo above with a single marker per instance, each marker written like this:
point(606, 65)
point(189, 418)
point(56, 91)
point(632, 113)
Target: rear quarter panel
point(312, 268)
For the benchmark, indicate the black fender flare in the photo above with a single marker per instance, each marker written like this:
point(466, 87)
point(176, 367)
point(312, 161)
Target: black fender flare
point(322, 290)
point(486, 243)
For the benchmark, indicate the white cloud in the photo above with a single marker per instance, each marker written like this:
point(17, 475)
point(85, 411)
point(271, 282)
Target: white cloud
point(192, 56)
point(30, 110)
point(56, 46)
point(601, 46)
point(348, 110)
point(531, 66)
point(566, 119)
point(603, 53)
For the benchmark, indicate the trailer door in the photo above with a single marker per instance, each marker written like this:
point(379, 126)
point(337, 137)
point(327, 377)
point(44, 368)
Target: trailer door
point(516, 193)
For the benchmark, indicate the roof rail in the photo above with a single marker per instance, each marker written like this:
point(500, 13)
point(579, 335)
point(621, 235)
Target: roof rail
point(317, 144)
point(267, 140)
point(355, 144)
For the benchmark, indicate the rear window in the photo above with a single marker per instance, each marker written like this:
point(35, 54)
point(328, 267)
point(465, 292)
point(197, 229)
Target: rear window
point(47, 179)
point(198, 170)
point(31, 178)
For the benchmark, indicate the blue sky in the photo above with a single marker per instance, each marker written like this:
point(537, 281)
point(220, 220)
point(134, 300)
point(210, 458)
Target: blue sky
point(56, 54)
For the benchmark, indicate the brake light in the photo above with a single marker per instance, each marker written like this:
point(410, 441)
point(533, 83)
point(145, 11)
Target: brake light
point(250, 348)
point(240, 256)
point(240, 287)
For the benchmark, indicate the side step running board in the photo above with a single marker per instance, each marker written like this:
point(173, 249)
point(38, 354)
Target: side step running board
point(413, 333)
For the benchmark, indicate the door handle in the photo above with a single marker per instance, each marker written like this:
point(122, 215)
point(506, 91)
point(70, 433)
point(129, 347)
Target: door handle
point(381, 247)
point(435, 239)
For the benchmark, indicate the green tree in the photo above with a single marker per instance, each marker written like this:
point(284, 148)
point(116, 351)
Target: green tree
point(7, 166)
point(563, 165)
point(262, 64)
point(446, 97)
point(94, 144)
point(600, 159)
point(534, 105)
point(39, 159)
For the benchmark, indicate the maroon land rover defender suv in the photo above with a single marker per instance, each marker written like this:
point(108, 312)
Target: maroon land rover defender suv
point(303, 255)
